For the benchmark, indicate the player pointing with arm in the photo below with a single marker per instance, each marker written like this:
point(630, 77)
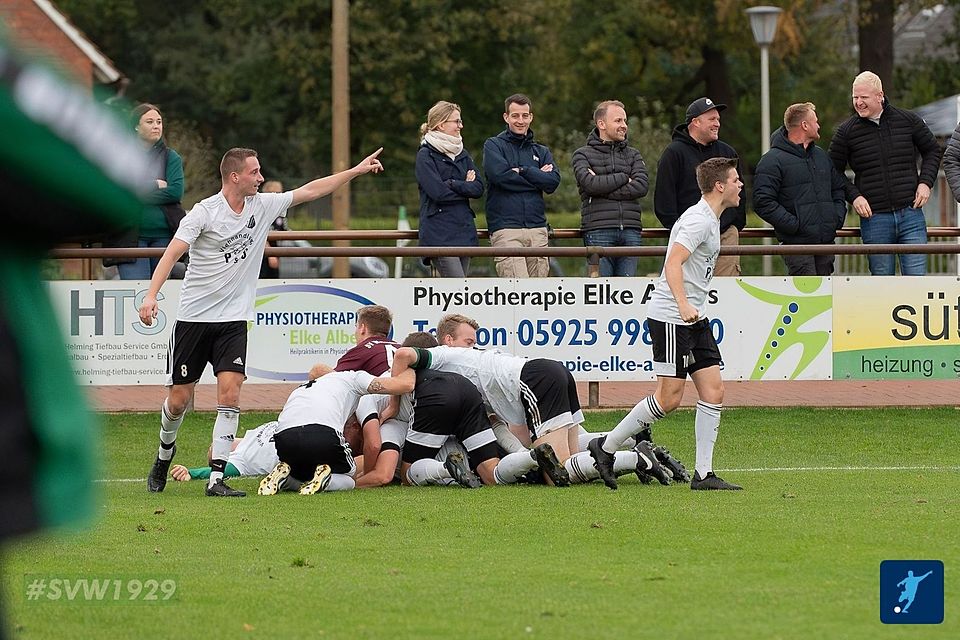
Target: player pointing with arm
point(226, 234)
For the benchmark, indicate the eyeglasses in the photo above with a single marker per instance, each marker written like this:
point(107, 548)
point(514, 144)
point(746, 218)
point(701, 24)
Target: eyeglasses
point(460, 122)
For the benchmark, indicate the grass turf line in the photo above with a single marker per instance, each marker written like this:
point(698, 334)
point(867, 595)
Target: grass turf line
point(794, 555)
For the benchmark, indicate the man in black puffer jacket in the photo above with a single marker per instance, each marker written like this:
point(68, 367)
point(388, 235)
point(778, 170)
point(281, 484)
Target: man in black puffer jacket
point(611, 177)
point(798, 190)
point(694, 141)
point(881, 143)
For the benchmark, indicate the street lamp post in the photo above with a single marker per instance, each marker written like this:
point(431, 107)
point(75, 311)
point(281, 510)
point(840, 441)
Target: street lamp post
point(763, 22)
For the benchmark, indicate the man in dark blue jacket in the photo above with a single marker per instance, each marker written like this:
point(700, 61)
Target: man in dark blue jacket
point(519, 171)
point(799, 191)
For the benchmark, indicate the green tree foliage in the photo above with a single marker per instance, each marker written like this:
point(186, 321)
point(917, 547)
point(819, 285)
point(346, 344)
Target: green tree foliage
point(258, 74)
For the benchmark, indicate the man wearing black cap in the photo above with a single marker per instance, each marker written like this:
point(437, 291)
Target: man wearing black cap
point(676, 189)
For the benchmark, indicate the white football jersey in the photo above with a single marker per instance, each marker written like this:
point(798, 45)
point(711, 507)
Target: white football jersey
point(375, 403)
point(256, 454)
point(329, 400)
point(698, 230)
point(494, 373)
point(226, 250)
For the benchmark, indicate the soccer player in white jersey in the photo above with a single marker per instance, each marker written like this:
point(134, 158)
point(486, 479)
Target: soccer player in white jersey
point(310, 439)
point(539, 393)
point(225, 234)
point(683, 341)
point(455, 330)
point(253, 454)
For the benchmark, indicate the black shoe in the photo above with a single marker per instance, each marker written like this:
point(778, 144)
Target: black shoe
point(157, 479)
point(221, 490)
point(671, 465)
point(642, 475)
point(548, 462)
point(711, 482)
point(644, 435)
point(459, 471)
point(603, 461)
point(647, 463)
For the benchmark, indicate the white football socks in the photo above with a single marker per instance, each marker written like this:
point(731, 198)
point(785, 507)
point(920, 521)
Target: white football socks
point(224, 431)
point(645, 413)
point(706, 426)
point(514, 466)
point(169, 425)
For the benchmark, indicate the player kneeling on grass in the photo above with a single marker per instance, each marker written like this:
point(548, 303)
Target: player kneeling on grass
point(683, 341)
point(539, 393)
point(310, 437)
point(449, 406)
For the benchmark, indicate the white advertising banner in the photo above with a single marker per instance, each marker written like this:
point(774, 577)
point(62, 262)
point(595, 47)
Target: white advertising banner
point(767, 328)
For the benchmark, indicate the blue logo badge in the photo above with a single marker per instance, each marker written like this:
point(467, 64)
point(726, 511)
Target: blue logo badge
point(911, 592)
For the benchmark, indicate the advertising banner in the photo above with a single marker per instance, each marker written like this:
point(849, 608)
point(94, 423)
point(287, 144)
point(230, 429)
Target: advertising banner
point(767, 328)
point(896, 328)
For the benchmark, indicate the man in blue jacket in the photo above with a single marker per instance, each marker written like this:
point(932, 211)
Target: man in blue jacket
point(519, 171)
point(799, 191)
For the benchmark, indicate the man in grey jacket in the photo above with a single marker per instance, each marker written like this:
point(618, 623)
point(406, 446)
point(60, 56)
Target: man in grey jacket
point(611, 177)
point(951, 163)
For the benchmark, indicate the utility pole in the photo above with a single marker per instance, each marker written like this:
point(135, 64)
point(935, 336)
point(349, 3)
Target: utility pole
point(341, 126)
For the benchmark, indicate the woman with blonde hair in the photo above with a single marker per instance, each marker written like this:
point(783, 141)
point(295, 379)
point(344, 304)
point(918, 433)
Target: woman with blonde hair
point(448, 179)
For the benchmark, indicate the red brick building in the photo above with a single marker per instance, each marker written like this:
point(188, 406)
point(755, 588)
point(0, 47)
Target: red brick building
point(39, 28)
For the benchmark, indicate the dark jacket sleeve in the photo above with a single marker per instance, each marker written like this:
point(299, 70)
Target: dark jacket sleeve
point(173, 192)
point(468, 188)
point(837, 193)
point(591, 184)
point(428, 177)
point(499, 172)
point(639, 183)
point(929, 151)
point(546, 181)
point(951, 163)
point(665, 192)
point(766, 187)
point(839, 155)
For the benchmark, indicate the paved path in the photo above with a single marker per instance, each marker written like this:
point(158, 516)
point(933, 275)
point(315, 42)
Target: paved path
point(613, 395)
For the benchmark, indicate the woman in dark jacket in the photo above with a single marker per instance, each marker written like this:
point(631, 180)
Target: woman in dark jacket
point(447, 178)
point(162, 211)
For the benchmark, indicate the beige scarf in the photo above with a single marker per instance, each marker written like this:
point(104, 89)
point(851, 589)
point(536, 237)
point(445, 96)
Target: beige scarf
point(448, 145)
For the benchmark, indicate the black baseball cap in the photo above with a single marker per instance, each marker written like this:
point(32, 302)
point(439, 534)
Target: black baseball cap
point(701, 106)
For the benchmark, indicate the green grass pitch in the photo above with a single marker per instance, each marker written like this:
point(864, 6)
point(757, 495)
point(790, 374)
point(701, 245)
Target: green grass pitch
point(828, 495)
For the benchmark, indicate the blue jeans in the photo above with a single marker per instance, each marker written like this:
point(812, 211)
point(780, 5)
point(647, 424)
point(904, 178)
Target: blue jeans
point(902, 226)
point(143, 268)
point(619, 265)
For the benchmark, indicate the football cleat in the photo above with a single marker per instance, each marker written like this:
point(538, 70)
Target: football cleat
point(459, 471)
point(647, 463)
point(221, 490)
point(321, 478)
point(157, 479)
point(548, 462)
point(272, 482)
point(713, 482)
point(603, 461)
point(671, 465)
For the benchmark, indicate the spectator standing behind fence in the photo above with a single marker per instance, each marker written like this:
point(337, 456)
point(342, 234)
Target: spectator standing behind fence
point(519, 171)
point(881, 143)
point(270, 267)
point(799, 192)
point(696, 140)
point(162, 212)
point(611, 177)
point(951, 163)
point(448, 179)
